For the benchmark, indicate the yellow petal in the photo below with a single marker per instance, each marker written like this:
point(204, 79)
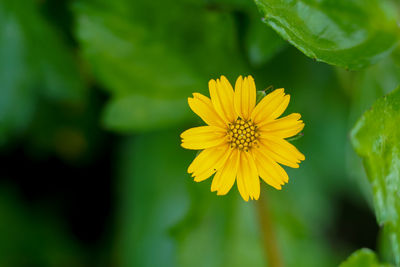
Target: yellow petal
point(221, 93)
point(240, 181)
point(284, 127)
point(253, 182)
point(203, 137)
point(208, 162)
point(291, 162)
point(247, 177)
point(279, 109)
point(270, 107)
point(202, 106)
point(245, 96)
point(225, 177)
point(269, 170)
point(282, 148)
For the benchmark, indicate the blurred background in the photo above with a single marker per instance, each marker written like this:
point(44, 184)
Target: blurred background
point(93, 97)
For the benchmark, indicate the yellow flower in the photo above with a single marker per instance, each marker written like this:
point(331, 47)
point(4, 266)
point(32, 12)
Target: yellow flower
point(243, 141)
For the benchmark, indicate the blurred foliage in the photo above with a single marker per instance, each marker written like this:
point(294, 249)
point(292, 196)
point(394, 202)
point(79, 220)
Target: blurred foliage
point(129, 66)
point(144, 229)
point(168, 60)
point(36, 65)
point(29, 237)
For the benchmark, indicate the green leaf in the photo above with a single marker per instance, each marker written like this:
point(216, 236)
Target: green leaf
point(363, 258)
point(376, 138)
point(351, 34)
point(364, 87)
point(35, 64)
point(141, 113)
point(155, 57)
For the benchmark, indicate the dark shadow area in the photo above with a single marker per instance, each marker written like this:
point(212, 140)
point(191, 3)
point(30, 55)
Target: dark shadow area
point(355, 226)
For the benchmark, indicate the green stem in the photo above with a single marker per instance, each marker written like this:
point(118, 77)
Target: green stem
point(271, 249)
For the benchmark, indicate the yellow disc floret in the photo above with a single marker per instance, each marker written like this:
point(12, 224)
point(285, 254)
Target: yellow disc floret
point(242, 134)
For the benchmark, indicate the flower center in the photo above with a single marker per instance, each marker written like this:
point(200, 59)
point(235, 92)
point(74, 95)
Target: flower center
point(242, 134)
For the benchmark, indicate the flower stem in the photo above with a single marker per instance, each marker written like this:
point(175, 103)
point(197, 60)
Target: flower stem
point(271, 249)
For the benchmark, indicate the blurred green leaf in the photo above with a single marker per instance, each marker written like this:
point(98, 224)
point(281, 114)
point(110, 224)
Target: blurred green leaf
point(140, 113)
point(370, 84)
point(363, 258)
point(152, 199)
point(35, 64)
point(224, 228)
point(138, 51)
point(376, 138)
point(72, 132)
point(396, 55)
point(351, 34)
point(262, 43)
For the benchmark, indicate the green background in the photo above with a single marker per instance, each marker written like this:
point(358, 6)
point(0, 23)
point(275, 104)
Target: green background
point(93, 97)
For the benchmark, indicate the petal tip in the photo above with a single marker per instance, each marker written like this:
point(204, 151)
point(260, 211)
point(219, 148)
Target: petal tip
point(212, 83)
point(239, 80)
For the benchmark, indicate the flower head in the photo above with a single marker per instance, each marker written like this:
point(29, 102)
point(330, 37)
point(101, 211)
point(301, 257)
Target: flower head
point(242, 141)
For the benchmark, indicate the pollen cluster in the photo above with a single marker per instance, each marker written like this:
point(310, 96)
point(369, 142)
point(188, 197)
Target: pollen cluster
point(242, 134)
